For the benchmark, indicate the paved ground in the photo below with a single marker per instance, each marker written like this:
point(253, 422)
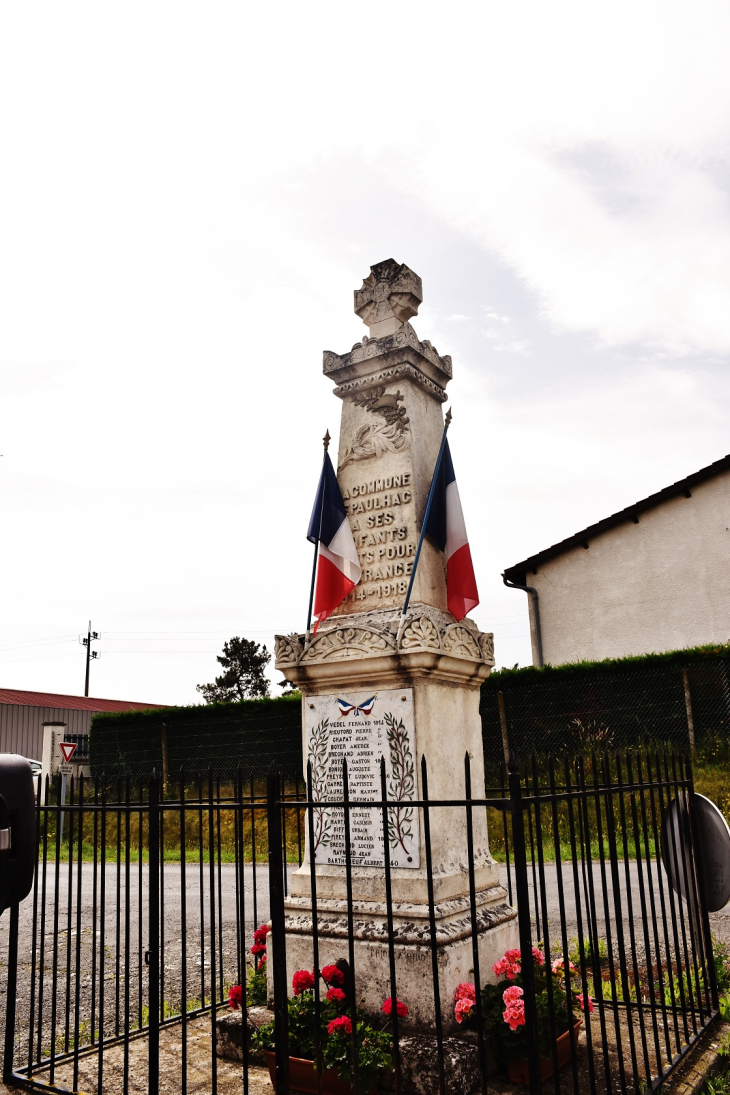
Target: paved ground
point(196, 947)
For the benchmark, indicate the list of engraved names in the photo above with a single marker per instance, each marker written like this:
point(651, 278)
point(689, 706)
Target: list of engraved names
point(363, 727)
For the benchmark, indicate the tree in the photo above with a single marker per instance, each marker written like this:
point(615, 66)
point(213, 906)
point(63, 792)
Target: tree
point(244, 663)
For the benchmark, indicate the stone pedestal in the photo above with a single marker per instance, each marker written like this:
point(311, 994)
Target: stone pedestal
point(361, 684)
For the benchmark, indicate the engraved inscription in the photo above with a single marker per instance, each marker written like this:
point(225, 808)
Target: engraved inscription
point(382, 519)
point(362, 728)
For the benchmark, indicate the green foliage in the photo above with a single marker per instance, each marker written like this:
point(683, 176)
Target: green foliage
point(251, 732)
point(615, 704)
point(244, 662)
point(720, 1084)
point(374, 1054)
point(501, 678)
point(374, 1047)
point(574, 950)
point(721, 954)
point(256, 991)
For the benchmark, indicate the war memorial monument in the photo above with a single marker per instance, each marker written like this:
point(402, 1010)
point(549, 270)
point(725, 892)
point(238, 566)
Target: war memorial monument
point(375, 685)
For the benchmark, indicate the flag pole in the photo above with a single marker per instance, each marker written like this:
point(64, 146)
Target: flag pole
point(402, 621)
point(326, 442)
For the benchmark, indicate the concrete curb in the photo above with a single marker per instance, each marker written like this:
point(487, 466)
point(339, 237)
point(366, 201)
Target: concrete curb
point(702, 1062)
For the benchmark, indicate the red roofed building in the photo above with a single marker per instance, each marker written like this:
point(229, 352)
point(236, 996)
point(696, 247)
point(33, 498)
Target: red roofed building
point(24, 714)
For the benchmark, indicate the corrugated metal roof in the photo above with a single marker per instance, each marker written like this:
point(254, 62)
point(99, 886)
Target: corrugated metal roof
point(631, 513)
point(70, 703)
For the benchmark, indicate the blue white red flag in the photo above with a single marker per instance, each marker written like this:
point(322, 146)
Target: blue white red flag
point(338, 567)
point(347, 708)
point(446, 527)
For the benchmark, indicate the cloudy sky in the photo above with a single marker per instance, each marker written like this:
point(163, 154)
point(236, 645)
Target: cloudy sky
point(189, 194)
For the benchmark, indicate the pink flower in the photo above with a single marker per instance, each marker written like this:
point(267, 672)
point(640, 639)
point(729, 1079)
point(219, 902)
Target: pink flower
point(465, 997)
point(465, 991)
point(509, 966)
point(400, 1007)
point(301, 981)
point(538, 956)
point(335, 995)
point(559, 966)
point(259, 936)
point(514, 1015)
point(341, 1025)
point(332, 976)
point(234, 997)
point(581, 1001)
point(514, 1012)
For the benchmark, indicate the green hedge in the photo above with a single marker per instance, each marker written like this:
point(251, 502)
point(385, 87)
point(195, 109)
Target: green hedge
point(617, 703)
point(252, 733)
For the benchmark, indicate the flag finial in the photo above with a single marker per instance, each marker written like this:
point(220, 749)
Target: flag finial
point(326, 440)
point(448, 418)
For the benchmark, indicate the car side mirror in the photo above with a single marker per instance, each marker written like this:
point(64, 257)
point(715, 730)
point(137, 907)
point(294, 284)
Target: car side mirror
point(18, 851)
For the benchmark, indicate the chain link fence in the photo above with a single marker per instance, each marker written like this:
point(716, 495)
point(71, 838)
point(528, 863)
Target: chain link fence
point(680, 703)
point(221, 737)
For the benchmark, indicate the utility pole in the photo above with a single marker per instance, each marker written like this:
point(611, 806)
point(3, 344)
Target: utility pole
point(90, 637)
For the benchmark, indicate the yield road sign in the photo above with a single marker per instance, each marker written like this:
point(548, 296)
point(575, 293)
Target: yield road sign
point(68, 748)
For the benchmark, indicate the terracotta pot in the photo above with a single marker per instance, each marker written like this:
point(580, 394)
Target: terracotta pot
point(518, 1069)
point(303, 1077)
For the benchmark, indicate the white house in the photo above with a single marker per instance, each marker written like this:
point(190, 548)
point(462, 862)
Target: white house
point(653, 577)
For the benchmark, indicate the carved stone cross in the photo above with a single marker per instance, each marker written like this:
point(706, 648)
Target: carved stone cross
point(389, 297)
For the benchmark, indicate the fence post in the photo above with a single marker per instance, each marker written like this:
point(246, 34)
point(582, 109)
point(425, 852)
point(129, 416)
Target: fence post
point(519, 851)
point(12, 994)
point(503, 726)
point(153, 952)
point(698, 866)
point(690, 717)
point(278, 929)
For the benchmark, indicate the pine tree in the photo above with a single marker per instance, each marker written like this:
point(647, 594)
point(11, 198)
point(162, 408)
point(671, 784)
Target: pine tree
point(244, 663)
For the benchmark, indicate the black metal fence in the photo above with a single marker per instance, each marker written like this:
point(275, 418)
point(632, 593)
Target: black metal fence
point(146, 899)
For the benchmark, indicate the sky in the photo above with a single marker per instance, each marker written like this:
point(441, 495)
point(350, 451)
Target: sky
point(189, 195)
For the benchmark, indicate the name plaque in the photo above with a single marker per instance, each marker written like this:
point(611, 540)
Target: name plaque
point(363, 727)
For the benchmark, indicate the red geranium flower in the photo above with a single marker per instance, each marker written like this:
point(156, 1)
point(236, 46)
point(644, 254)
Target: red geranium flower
point(332, 976)
point(335, 995)
point(400, 1007)
point(259, 936)
point(234, 997)
point(258, 948)
point(341, 1026)
point(301, 981)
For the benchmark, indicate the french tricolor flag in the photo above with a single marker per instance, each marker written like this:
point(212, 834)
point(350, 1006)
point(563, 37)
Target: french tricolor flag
point(338, 567)
point(446, 527)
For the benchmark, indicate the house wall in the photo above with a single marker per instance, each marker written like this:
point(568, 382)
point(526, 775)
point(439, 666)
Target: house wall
point(21, 727)
point(661, 584)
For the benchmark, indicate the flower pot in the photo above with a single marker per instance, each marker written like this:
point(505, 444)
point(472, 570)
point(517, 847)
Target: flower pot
point(518, 1069)
point(303, 1077)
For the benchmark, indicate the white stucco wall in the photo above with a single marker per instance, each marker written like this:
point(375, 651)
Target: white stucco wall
point(661, 584)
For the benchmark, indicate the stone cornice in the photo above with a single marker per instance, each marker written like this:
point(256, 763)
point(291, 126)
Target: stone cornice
point(379, 360)
point(432, 643)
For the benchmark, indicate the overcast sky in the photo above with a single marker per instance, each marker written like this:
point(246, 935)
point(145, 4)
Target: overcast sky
point(189, 194)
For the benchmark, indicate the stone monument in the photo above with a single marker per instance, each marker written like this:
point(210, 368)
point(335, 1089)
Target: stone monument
point(367, 694)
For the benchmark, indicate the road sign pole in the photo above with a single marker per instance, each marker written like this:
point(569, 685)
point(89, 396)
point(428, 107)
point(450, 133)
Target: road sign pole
point(63, 803)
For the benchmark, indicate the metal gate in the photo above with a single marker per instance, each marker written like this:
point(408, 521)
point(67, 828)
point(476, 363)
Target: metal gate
point(146, 899)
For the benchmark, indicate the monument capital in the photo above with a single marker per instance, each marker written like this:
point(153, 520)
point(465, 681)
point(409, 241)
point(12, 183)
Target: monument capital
point(390, 296)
